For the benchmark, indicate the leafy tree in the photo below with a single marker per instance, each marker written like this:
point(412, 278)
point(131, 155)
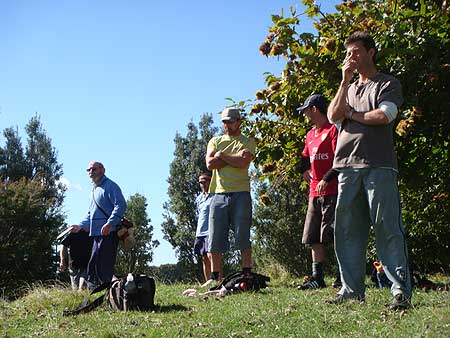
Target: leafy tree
point(12, 159)
point(38, 161)
point(137, 259)
point(30, 206)
point(41, 160)
point(278, 222)
point(414, 45)
point(180, 218)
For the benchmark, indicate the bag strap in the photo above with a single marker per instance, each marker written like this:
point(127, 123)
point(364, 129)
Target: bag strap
point(84, 307)
point(101, 209)
point(98, 206)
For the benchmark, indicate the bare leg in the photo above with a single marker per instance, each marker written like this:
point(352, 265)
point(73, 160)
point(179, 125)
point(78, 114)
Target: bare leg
point(216, 262)
point(206, 266)
point(318, 253)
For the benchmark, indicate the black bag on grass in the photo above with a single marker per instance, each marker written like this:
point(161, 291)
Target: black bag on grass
point(240, 281)
point(141, 297)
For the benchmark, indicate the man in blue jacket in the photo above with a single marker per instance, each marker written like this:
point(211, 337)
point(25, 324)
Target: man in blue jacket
point(103, 219)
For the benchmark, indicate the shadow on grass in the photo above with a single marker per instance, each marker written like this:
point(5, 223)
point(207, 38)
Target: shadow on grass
point(170, 308)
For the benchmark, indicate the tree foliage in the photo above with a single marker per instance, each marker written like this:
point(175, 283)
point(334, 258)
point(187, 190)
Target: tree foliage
point(278, 223)
point(414, 45)
point(180, 217)
point(138, 259)
point(30, 206)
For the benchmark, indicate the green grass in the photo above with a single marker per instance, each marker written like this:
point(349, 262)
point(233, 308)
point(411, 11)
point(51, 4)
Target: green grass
point(279, 311)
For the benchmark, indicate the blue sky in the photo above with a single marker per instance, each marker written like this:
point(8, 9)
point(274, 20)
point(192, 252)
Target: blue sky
point(115, 80)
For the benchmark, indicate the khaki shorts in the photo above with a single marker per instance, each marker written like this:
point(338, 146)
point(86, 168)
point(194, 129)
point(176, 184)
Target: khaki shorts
point(319, 222)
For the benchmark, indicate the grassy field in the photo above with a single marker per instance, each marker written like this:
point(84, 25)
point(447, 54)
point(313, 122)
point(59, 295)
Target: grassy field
point(279, 311)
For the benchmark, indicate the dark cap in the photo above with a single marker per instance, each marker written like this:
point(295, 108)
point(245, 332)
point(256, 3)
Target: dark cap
point(204, 178)
point(316, 100)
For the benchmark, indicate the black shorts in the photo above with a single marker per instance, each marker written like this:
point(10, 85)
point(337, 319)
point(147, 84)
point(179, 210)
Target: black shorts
point(319, 222)
point(201, 245)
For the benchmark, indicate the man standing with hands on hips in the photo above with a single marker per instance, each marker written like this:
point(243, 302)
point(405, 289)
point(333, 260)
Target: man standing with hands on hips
point(229, 156)
point(367, 164)
point(103, 219)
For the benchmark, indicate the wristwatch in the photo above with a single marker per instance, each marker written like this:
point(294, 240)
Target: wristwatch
point(350, 114)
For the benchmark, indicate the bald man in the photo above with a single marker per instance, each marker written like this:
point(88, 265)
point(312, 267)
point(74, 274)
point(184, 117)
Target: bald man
point(106, 209)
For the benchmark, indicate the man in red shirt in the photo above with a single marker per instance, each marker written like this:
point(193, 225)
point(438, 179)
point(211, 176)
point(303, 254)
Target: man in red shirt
point(316, 167)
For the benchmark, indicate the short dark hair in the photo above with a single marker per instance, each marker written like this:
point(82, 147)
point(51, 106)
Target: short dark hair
point(366, 39)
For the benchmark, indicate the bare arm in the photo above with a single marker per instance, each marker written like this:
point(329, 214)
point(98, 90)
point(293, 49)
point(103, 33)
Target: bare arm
point(321, 186)
point(213, 162)
point(307, 176)
point(339, 105)
point(241, 159)
point(373, 117)
point(63, 258)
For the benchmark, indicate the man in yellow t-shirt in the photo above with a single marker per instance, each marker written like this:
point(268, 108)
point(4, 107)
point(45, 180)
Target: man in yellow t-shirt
point(228, 157)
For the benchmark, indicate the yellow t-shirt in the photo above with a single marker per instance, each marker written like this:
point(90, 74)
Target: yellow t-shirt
point(230, 179)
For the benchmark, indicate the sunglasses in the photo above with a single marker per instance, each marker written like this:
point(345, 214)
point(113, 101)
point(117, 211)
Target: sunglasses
point(94, 169)
point(229, 121)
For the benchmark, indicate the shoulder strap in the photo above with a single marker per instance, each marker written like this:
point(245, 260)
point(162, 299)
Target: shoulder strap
point(84, 306)
point(98, 206)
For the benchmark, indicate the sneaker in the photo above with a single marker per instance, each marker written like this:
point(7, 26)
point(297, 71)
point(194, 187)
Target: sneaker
point(337, 284)
point(339, 299)
point(400, 302)
point(312, 284)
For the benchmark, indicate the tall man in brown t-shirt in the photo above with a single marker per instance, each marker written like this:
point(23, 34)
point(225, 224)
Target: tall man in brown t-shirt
point(365, 157)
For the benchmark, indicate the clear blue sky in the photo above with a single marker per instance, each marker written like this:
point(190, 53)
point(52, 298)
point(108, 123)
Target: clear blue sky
point(114, 81)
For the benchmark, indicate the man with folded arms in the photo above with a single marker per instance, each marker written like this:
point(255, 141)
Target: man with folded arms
point(229, 157)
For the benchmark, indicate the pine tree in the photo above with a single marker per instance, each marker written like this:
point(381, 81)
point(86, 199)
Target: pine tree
point(30, 206)
point(138, 259)
point(180, 218)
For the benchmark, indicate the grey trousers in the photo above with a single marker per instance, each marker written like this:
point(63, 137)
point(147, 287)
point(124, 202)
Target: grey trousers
point(370, 197)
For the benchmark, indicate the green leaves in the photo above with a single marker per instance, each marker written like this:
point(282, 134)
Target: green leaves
point(180, 218)
point(30, 206)
point(138, 259)
point(415, 47)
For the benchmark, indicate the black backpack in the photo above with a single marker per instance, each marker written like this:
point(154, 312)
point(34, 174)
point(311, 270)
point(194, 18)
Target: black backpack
point(240, 281)
point(141, 299)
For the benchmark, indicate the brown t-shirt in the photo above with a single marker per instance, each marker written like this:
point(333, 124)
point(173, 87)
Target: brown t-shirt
point(367, 146)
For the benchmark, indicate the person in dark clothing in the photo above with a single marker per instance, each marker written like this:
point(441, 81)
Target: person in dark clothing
point(75, 253)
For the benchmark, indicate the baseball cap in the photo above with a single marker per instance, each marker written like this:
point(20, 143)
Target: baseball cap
point(230, 114)
point(316, 100)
